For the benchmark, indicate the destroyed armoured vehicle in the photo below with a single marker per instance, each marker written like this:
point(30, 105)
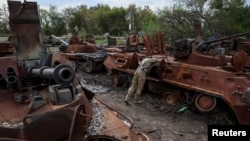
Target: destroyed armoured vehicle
point(201, 74)
point(41, 97)
point(85, 54)
point(126, 61)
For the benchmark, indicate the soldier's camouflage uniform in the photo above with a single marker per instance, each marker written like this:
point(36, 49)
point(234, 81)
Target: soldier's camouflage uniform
point(139, 79)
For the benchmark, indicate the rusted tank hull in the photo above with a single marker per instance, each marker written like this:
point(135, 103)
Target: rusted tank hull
point(219, 83)
point(35, 111)
point(53, 124)
point(122, 60)
point(205, 83)
point(34, 105)
point(81, 48)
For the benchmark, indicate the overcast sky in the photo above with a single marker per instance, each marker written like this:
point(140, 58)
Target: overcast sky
point(60, 4)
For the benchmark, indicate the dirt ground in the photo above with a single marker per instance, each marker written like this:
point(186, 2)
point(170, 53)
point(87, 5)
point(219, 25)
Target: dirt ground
point(165, 123)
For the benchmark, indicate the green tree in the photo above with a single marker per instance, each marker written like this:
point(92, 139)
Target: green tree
point(93, 21)
point(52, 22)
point(4, 21)
point(147, 21)
point(105, 21)
point(45, 21)
point(229, 16)
point(118, 21)
point(244, 18)
point(177, 23)
point(80, 19)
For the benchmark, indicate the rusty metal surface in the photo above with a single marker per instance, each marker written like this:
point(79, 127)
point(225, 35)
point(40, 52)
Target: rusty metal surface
point(41, 97)
point(203, 76)
point(34, 102)
point(6, 48)
point(122, 60)
point(160, 43)
point(78, 46)
point(25, 17)
point(37, 127)
point(115, 126)
point(214, 81)
point(152, 47)
point(200, 76)
point(81, 48)
point(27, 122)
point(85, 54)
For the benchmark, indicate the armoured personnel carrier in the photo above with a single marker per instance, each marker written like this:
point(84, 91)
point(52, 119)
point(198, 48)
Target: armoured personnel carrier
point(202, 74)
point(41, 97)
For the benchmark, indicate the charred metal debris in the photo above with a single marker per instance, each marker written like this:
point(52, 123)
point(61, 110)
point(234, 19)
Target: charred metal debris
point(203, 74)
point(41, 97)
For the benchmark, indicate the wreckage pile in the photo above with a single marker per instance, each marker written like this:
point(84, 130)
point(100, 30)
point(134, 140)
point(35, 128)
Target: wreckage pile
point(204, 74)
point(43, 88)
point(41, 94)
point(185, 70)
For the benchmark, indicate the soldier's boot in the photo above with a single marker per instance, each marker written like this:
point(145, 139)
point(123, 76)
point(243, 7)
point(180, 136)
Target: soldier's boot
point(126, 100)
point(137, 100)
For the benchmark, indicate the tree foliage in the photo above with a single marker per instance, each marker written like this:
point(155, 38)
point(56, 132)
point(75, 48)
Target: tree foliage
point(4, 26)
point(177, 21)
point(151, 23)
point(52, 22)
point(229, 15)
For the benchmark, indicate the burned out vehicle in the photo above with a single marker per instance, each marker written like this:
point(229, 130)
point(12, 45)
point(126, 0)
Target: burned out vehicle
point(85, 54)
point(125, 61)
point(41, 96)
point(202, 74)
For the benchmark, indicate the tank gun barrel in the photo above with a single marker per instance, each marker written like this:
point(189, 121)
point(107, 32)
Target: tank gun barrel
point(225, 38)
point(62, 41)
point(60, 74)
point(207, 43)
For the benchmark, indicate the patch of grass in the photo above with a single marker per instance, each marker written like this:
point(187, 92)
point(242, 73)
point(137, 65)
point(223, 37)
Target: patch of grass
point(4, 35)
point(104, 40)
point(101, 40)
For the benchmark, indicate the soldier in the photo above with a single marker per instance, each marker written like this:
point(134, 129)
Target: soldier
point(139, 80)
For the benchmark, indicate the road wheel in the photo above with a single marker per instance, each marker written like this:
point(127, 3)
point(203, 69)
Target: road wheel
point(169, 98)
point(205, 103)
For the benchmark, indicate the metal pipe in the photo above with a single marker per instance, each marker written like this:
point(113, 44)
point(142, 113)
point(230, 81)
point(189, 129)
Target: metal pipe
point(10, 70)
point(12, 82)
point(65, 43)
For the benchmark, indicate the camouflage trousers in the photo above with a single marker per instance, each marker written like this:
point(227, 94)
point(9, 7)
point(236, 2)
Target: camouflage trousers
point(136, 85)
